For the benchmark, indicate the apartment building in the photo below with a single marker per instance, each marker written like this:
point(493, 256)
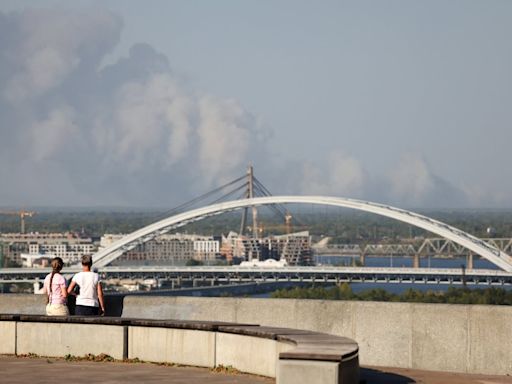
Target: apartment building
point(69, 246)
point(295, 248)
point(169, 249)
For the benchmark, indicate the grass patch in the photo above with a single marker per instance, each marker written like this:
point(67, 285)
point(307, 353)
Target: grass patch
point(226, 370)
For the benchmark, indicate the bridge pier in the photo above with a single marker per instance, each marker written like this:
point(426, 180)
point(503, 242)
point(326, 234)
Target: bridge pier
point(176, 283)
point(37, 287)
point(416, 261)
point(469, 261)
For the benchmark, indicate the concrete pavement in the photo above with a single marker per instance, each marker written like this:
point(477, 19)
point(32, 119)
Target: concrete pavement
point(18, 370)
point(381, 375)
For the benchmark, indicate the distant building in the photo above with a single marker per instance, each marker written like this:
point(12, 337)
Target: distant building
point(35, 261)
point(206, 249)
point(169, 249)
point(295, 248)
point(108, 239)
point(69, 246)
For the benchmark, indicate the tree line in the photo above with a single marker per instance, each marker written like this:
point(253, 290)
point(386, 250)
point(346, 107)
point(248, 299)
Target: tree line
point(344, 226)
point(489, 296)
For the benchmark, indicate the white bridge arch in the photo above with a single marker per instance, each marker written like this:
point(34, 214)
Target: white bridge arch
point(480, 247)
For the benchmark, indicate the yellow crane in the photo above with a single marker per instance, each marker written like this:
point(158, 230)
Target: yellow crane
point(22, 214)
point(287, 227)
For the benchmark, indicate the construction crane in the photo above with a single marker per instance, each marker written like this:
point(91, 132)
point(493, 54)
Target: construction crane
point(285, 228)
point(22, 214)
point(288, 222)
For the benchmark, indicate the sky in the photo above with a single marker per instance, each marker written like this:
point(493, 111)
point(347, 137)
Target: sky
point(132, 103)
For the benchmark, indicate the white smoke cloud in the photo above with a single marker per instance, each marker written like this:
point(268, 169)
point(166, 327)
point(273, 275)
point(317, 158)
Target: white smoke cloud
point(412, 183)
point(224, 138)
point(149, 124)
point(411, 180)
point(115, 134)
point(49, 45)
point(50, 135)
point(342, 175)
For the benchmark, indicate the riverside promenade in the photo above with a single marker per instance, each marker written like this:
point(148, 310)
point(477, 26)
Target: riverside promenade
point(21, 370)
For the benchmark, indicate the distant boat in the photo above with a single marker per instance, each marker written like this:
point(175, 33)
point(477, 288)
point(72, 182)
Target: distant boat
point(269, 263)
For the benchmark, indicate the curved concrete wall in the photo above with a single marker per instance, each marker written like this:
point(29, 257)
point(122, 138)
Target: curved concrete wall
point(458, 338)
point(291, 356)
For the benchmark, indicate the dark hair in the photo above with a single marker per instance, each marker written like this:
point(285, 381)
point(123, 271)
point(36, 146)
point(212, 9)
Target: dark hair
point(87, 260)
point(57, 265)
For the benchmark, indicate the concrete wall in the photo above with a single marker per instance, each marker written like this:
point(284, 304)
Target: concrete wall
point(312, 372)
point(7, 337)
point(60, 339)
point(459, 338)
point(249, 354)
point(28, 304)
point(22, 304)
point(206, 349)
point(181, 346)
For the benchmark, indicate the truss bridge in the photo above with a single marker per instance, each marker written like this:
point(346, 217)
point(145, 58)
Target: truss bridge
point(429, 247)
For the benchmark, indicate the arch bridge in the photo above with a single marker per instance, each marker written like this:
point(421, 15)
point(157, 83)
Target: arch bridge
point(478, 246)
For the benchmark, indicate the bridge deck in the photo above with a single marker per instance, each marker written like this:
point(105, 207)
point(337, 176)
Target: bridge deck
point(287, 274)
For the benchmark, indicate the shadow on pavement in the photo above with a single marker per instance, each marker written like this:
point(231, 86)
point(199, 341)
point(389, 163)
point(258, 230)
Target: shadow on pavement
point(374, 376)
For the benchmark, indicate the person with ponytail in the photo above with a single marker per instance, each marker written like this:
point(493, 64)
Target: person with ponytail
point(55, 289)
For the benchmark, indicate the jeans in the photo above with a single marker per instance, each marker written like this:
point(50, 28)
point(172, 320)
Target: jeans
point(85, 310)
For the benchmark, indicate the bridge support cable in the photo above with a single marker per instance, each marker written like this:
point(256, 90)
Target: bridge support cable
point(228, 195)
point(189, 204)
point(279, 209)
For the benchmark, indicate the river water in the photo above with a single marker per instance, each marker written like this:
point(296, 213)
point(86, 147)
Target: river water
point(401, 261)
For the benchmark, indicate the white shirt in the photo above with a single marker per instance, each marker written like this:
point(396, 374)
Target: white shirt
point(88, 283)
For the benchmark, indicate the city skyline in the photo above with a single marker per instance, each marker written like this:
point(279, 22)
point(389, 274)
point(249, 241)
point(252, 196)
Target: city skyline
point(119, 104)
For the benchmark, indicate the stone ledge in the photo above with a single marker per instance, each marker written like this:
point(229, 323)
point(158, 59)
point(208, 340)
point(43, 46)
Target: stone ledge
point(309, 345)
point(182, 324)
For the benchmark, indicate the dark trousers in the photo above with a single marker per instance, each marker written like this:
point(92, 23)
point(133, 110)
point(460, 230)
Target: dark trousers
point(85, 310)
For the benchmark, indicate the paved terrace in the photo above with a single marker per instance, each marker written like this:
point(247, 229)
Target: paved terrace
point(21, 370)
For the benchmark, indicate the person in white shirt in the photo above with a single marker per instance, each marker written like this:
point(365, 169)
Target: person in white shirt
point(89, 301)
